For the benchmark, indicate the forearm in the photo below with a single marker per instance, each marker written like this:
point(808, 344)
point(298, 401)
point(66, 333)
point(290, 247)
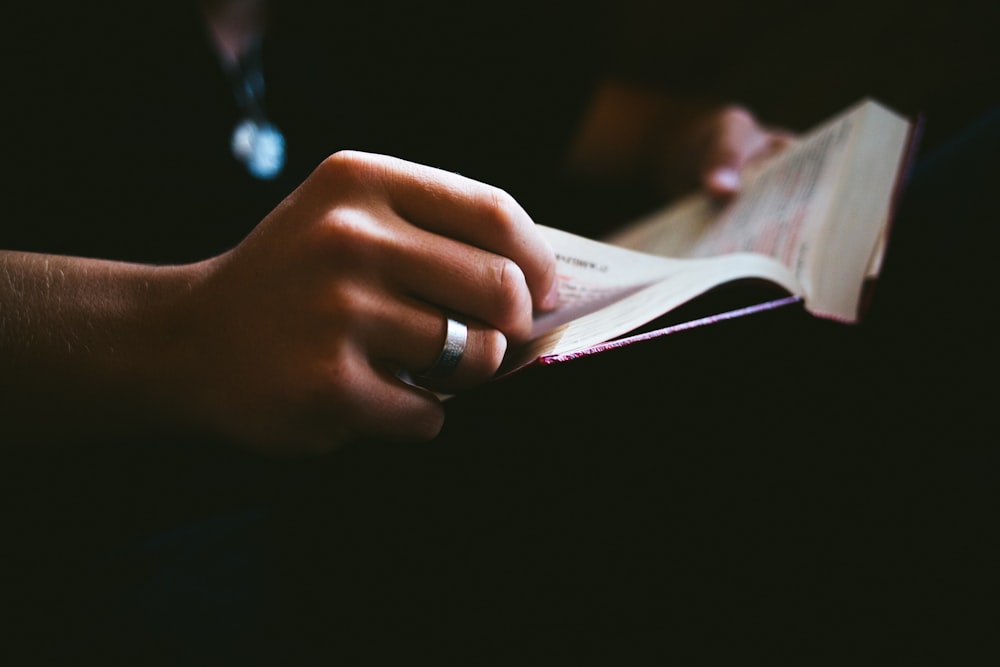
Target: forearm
point(90, 347)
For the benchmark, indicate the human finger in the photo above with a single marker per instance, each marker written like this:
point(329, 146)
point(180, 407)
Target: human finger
point(381, 404)
point(371, 250)
point(412, 336)
point(460, 208)
point(733, 138)
point(460, 278)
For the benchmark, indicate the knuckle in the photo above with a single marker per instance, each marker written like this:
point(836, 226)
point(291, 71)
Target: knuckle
point(349, 170)
point(430, 423)
point(349, 236)
point(499, 209)
point(345, 164)
point(341, 370)
point(334, 387)
point(344, 223)
point(510, 296)
point(494, 347)
point(508, 282)
point(345, 308)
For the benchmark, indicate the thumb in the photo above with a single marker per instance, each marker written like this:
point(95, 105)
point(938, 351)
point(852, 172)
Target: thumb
point(722, 180)
point(735, 138)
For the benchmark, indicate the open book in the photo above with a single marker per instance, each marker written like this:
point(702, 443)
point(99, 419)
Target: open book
point(811, 223)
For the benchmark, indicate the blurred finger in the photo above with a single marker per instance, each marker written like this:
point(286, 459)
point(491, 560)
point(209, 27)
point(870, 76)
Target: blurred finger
point(735, 139)
point(726, 180)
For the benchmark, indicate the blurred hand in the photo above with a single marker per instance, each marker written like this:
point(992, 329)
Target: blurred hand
point(722, 143)
point(634, 133)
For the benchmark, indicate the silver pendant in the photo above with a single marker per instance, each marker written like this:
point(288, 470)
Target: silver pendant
point(260, 147)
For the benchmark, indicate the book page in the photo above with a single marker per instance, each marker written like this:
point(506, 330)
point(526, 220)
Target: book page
point(785, 210)
point(593, 275)
point(779, 203)
point(849, 247)
point(811, 221)
point(606, 291)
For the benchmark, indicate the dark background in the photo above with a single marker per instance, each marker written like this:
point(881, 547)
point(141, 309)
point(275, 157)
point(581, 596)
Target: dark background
point(796, 63)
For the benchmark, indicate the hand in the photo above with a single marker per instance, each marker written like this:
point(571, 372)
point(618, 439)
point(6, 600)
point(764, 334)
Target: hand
point(299, 334)
point(296, 338)
point(715, 147)
point(632, 133)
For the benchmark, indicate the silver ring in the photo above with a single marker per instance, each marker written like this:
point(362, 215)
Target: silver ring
point(451, 353)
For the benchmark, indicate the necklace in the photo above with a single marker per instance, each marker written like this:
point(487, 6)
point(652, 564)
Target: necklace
point(256, 142)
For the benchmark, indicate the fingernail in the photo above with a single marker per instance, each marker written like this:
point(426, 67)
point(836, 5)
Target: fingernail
point(726, 178)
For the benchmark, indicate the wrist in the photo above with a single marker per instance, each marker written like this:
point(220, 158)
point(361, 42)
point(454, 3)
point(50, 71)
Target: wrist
point(161, 359)
point(93, 347)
